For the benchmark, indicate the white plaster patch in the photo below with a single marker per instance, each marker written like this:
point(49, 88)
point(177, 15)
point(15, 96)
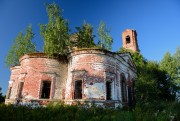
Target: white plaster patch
point(94, 91)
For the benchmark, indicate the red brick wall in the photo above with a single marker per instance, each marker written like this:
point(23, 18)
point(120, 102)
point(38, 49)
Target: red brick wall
point(37, 68)
point(94, 67)
point(133, 45)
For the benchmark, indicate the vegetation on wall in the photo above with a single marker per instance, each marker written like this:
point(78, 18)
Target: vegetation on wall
point(22, 45)
point(85, 37)
point(55, 32)
point(58, 40)
point(105, 40)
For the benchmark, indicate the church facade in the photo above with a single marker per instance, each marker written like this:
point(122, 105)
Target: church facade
point(85, 76)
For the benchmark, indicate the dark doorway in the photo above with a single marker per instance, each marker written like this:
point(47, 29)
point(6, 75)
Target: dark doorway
point(78, 90)
point(129, 96)
point(108, 90)
point(46, 88)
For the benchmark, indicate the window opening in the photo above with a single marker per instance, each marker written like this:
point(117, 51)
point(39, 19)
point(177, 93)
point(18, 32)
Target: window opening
point(108, 89)
point(123, 90)
point(78, 90)
point(46, 89)
point(21, 84)
point(128, 40)
point(130, 96)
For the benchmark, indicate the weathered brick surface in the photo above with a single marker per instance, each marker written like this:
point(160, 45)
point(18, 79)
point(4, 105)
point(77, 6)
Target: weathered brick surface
point(37, 68)
point(94, 67)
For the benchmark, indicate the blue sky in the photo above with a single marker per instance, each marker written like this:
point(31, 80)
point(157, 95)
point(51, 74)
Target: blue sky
point(157, 23)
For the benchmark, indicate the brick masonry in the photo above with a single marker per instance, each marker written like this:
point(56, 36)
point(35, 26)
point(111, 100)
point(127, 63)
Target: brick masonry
point(94, 68)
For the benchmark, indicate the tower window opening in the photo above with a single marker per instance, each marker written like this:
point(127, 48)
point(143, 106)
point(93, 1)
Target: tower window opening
point(78, 90)
point(46, 89)
point(108, 90)
point(128, 40)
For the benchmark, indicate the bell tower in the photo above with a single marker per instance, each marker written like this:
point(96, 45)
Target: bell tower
point(129, 40)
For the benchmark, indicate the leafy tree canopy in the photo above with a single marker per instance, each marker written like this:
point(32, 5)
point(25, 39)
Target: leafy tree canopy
point(176, 61)
point(55, 32)
point(171, 64)
point(105, 40)
point(85, 37)
point(22, 45)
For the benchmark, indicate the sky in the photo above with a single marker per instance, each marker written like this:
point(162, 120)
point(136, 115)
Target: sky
point(157, 23)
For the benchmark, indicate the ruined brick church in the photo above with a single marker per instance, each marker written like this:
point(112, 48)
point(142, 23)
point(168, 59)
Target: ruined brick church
point(88, 75)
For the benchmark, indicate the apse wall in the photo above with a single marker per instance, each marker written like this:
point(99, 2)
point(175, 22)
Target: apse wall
point(43, 77)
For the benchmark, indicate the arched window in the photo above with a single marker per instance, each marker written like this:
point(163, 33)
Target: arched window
point(128, 40)
point(123, 89)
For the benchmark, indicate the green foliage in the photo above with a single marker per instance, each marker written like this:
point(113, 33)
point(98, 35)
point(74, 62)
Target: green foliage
point(176, 59)
point(171, 64)
point(156, 111)
point(105, 40)
point(151, 83)
point(154, 89)
point(85, 37)
point(2, 98)
point(63, 113)
point(22, 45)
point(168, 64)
point(55, 32)
point(138, 59)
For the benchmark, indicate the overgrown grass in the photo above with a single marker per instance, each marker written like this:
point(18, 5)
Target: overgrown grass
point(62, 113)
point(142, 112)
point(157, 111)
